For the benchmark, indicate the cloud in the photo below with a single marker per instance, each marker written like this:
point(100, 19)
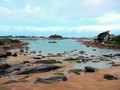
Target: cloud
point(92, 28)
point(109, 18)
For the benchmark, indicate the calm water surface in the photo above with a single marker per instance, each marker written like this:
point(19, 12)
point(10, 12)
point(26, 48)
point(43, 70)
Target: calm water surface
point(69, 45)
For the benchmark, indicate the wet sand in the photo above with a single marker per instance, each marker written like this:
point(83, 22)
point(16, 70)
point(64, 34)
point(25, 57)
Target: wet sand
point(85, 81)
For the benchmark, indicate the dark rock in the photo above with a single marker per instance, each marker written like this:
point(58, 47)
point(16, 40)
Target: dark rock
point(110, 77)
point(51, 79)
point(103, 37)
point(59, 54)
point(40, 69)
point(82, 52)
point(117, 54)
point(36, 57)
point(8, 53)
point(90, 69)
point(116, 64)
point(47, 62)
point(26, 62)
point(4, 66)
point(2, 72)
point(14, 54)
point(94, 50)
point(43, 56)
point(108, 55)
point(3, 55)
point(71, 59)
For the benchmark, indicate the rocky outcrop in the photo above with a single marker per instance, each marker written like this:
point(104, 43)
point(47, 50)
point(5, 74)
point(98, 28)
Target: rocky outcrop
point(103, 37)
point(39, 69)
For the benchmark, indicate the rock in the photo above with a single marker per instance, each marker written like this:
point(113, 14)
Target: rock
point(2, 72)
point(4, 66)
point(117, 54)
point(90, 69)
point(59, 54)
point(103, 37)
point(110, 77)
point(26, 62)
point(47, 62)
point(82, 52)
point(59, 72)
point(76, 71)
point(71, 59)
point(13, 81)
point(3, 55)
point(39, 69)
point(36, 57)
point(43, 56)
point(115, 64)
point(94, 50)
point(95, 61)
point(8, 53)
point(108, 55)
point(14, 54)
point(51, 79)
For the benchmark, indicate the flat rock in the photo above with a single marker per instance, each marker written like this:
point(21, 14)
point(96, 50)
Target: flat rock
point(39, 69)
point(110, 77)
point(51, 79)
point(47, 62)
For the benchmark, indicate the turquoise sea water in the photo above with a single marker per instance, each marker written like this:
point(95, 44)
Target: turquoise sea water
point(65, 45)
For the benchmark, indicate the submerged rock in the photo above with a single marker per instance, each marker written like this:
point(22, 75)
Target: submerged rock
point(51, 79)
point(47, 62)
point(40, 69)
point(90, 69)
point(110, 77)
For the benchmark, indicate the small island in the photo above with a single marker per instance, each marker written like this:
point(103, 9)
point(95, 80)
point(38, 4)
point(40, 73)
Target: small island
point(55, 36)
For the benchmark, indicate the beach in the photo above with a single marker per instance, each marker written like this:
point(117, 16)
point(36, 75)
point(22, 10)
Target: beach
point(84, 81)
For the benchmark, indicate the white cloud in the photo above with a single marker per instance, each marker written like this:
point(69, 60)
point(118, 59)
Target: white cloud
point(109, 18)
point(55, 29)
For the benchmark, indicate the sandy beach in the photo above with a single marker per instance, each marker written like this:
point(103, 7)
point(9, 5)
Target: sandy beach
point(84, 81)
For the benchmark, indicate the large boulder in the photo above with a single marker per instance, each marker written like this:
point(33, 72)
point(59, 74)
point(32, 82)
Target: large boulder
point(103, 37)
point(90, 69)
point(110, 77)
point(39, 69)
point(51, 79)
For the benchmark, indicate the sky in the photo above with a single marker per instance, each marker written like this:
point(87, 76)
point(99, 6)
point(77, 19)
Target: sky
point(71, 18)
